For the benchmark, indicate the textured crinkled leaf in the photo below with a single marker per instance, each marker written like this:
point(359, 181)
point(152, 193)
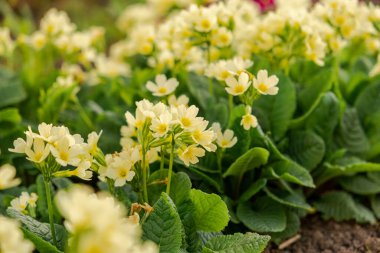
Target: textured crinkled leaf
point(293, 224)
point(315, 86)
point(341, 206)
point(41, 230)
point(286, 198)
point(280, 108)
point(292, 172)
point(360, 184)
point(164, 226)
point(239, 243)
point(368, 101)
point(211, 213)
point(375, 205)
point(264, 215)
point(331, 171)
point(253, 189)
point(11, 89)
point(40, 244)
point(322, 117)
point(306, 148)
point(252, 159)
point(351, 135)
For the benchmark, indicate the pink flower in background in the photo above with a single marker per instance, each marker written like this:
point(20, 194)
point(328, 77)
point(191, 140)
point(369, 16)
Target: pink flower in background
point(265, 4)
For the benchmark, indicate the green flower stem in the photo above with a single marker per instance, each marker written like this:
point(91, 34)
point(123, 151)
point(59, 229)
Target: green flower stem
point(144, 172)
point(111, 186)
point(170, 166)
point(162, 162)
point(230, 104)
point(50, 209)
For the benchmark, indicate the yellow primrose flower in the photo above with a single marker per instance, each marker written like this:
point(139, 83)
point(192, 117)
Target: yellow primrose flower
point(248, 120)
point(264, 84)
point(189, 155)
point(237, 87)
point(163, 86)
point(7, 177)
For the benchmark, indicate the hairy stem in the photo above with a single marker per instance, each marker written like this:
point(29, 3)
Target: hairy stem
point(170, 166)
point(50, 209)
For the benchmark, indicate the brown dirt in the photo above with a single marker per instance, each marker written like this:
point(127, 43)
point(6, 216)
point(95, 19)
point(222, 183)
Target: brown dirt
point(318, 236)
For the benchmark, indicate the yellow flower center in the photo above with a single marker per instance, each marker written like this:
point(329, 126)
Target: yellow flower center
point(197, 135)
point(123, 172)
point(162, 128)
point(206, 24)
point(162, 90)
point(38, 156)
point(64, 155)
point(224, 143)
point(225, 74)
point(239, 88)
point(186, 122)
point(262, 87)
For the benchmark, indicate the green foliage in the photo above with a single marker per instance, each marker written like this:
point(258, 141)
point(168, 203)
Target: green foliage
point(264, 215)
point(280, 108)
point(164, 225)
point(341, 206)
point(11, 89)
point(239, 243)
point(252, 159)
point(211, 213)
point(306, 148)
point(40, 232)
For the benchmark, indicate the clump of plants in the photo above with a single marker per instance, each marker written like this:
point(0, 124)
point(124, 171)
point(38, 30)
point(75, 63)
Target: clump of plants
point(210, 128)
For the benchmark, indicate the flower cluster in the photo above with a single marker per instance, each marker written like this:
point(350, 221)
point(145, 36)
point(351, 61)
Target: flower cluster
point(11, 237)
point(53, 147)
point(154, 131)
point(7, 177)
point(97, 223)
point(26, 203)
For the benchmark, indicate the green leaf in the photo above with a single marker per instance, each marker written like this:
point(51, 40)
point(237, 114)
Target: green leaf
point(351, 134)
point(163, 226)
point(243, 136)
point(368, 102)
point(265, 215)
point(322, 117)
point(252, 159)
point(341, 206)
point(375, 205)
point(306, 148)
point(39, 229)
point(315, 86)
point(239, 243)
point(291, 199)
point(211, 213)
point(10, 115)
point(253, 189)
point(292, 172)
point(293, 225)
point(53, 102)
point(198, 88)
point(186, 212)
point(180, 187)
point(11, 89)
point(360, 184)
point(331, 171)
point(40, 244)
point(279, 108)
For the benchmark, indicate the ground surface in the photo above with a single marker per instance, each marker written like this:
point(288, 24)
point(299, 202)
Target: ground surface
point(318, 236)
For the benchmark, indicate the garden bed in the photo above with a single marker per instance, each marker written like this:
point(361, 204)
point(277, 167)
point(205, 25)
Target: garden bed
point(319, 236)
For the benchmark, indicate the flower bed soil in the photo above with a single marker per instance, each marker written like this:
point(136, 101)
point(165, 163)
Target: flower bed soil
point(319, 236)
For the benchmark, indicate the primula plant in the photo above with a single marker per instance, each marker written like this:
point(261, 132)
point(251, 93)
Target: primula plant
point(203, 127)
